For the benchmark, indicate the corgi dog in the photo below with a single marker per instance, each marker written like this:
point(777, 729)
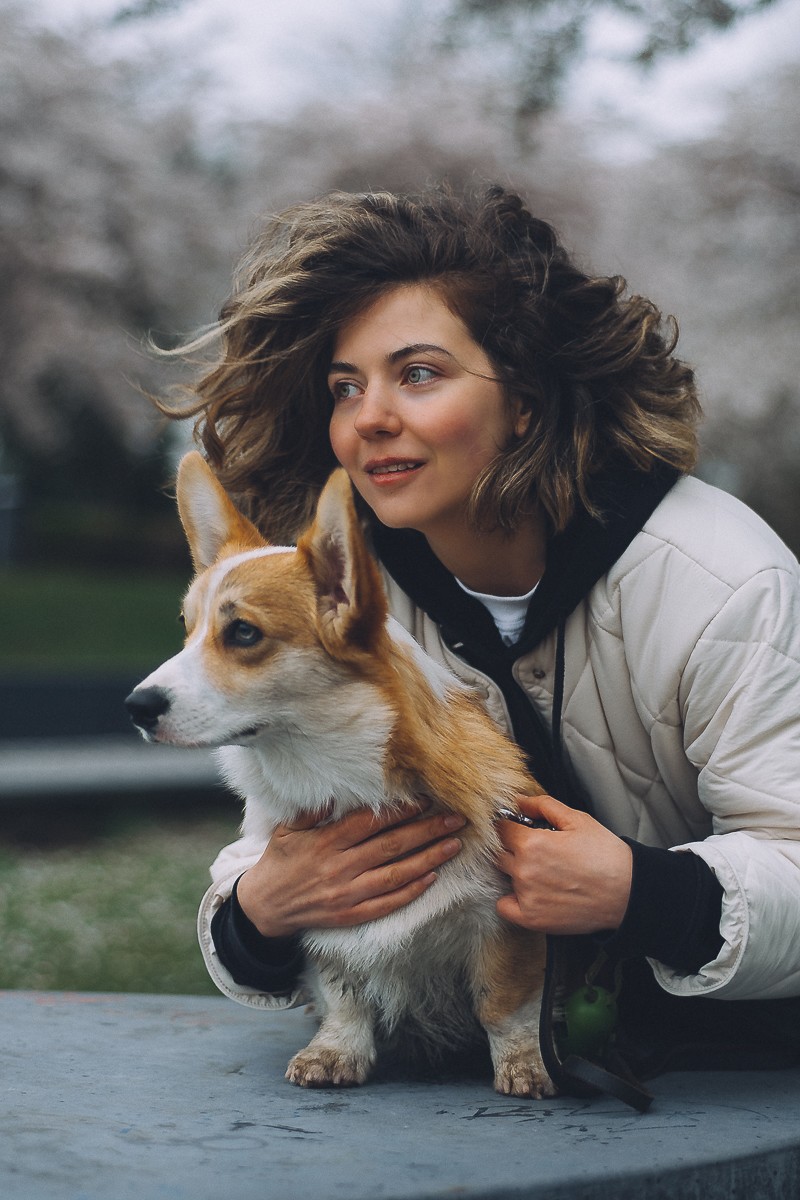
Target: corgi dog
point(322, 703)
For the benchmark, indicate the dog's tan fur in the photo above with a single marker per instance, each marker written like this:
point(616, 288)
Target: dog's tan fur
point(333, 703)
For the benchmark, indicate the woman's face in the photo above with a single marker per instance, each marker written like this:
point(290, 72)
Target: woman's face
point(417, 411)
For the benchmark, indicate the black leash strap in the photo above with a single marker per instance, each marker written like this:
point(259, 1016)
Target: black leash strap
point(575, 1075)
point(622, 1086)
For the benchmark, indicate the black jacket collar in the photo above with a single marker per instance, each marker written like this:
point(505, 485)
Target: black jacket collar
point(576, 560)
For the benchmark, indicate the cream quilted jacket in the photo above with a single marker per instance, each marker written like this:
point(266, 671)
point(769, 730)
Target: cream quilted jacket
point(681, 720)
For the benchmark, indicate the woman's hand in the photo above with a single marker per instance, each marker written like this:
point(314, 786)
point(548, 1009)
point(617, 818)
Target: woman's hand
point(345, 872)
point(575, 878)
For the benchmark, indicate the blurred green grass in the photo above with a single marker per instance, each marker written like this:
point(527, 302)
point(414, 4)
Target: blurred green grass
point(87, 622)
point(111, 911)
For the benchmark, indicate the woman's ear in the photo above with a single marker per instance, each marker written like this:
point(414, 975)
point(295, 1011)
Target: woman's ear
point(521, 418)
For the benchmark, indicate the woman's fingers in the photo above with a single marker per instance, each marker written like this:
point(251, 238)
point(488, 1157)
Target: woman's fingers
point(382, 890)
point(348, 871)
point(391, 877)
point(400, 840)
point(302, 823)
point(363, 824)
point(574, 878)
point(361, 840)
point(385, 903)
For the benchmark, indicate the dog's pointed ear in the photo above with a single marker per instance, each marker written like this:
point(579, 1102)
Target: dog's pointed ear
point(209, 518)
point(351, 602)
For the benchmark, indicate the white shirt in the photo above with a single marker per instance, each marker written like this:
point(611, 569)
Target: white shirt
point(508, 612)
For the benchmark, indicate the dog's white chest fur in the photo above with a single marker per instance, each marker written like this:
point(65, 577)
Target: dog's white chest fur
point(324, 744)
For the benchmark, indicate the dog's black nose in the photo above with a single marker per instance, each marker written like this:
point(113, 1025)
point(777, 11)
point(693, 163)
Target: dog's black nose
point(146, 705)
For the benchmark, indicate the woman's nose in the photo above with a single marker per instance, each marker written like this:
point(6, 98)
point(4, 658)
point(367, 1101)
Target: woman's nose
point(377, 413)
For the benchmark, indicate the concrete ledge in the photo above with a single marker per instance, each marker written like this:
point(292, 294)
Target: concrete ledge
point(183, 1098)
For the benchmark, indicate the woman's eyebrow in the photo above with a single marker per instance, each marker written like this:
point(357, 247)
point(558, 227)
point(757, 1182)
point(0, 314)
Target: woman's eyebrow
point(394, 356)
point(417, 348)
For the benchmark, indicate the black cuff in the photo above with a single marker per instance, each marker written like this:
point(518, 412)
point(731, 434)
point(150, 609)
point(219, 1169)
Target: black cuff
point(271, 965)
point(673, 913)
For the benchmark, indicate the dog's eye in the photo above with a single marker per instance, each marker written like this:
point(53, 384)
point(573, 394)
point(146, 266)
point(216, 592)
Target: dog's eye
point(242, 633)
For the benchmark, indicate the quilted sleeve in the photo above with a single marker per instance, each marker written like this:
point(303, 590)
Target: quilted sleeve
point(225, 870)
point(740, 698)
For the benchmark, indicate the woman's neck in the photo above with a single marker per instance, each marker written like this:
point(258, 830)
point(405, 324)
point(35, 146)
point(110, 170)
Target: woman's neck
point(496, 563)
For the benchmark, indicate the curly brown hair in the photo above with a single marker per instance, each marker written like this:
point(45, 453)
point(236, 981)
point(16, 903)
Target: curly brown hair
point(594, 367)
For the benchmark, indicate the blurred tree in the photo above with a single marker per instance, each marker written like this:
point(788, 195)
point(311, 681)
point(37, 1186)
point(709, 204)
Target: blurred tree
point(109, 228)
point(544, 38)
point(116, 219)
point(424, 127)
point(757, 456)
point(711, 230)
point(141, 9)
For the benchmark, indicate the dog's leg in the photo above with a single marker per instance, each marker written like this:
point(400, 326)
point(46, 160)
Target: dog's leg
point(342, 1053)
point(508, 999)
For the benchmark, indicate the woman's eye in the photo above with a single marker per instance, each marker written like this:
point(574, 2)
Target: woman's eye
point(420, 374)
point(242, 633)
point(344, 390)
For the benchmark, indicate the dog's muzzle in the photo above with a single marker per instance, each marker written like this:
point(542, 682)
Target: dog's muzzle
point(146, 705)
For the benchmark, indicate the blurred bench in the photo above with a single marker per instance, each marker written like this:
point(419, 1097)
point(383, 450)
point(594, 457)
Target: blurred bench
point(108, 765)
point(183, 1098)
point(70, 737)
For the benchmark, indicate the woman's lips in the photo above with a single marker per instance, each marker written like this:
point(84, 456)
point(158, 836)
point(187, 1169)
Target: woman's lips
point(392, 470)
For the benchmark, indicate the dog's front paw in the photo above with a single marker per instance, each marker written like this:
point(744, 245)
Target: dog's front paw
point(523, 1077)
point(318, 1066)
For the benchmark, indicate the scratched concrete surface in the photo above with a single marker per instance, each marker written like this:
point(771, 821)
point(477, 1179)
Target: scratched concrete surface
point(111, 1097)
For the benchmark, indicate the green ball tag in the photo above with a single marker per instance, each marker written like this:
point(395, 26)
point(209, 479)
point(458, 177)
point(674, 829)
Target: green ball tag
point(590, 1014)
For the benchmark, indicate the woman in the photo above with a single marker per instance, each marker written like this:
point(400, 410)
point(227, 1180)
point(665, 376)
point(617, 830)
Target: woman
point(520, 434)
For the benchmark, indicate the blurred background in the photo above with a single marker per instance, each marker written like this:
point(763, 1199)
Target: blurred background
point(140, 144)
